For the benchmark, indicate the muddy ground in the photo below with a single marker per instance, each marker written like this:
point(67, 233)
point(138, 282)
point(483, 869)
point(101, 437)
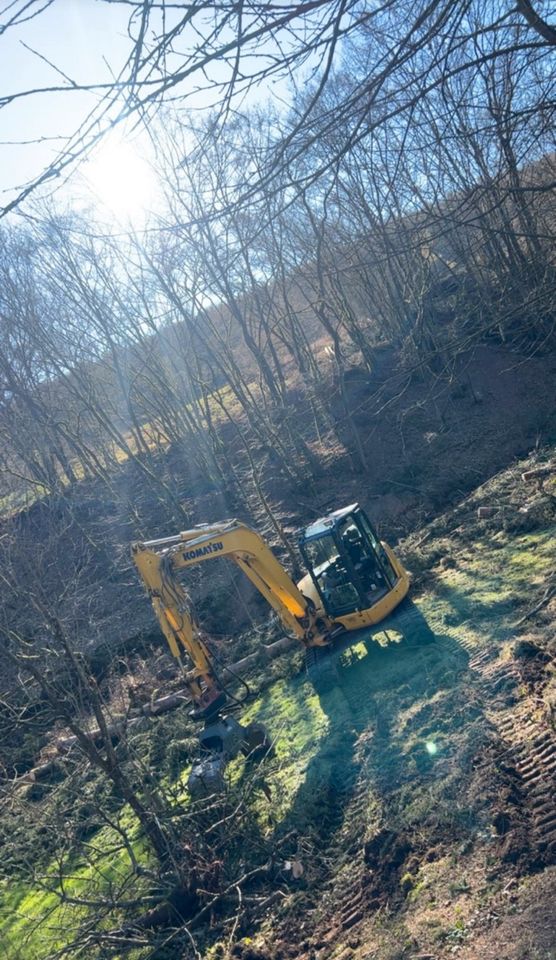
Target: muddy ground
point(417, 793)
point(425, 807)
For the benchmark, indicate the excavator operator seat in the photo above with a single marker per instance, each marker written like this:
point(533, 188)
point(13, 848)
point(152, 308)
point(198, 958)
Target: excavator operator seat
point(354, 544)
point(347, 562)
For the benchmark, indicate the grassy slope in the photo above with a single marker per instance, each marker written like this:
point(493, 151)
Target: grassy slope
point(430, 740)
point(35, 921)
point(392, 780)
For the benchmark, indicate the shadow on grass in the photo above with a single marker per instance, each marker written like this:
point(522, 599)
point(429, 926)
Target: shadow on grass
point(378, 682)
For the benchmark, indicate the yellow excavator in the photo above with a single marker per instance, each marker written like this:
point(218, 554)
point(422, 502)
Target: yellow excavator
point(353, 581)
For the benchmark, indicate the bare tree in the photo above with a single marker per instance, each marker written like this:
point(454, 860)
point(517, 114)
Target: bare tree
point(175, 55)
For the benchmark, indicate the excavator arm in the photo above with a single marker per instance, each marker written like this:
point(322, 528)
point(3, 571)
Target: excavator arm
point(158, 563)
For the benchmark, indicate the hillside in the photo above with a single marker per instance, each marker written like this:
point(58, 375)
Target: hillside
point(426, 440)
point(277, 481)
point(414, 798)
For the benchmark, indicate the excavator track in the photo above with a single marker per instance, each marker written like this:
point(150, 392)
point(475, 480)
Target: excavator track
point(527, 747)
point(345, 896)
point(352, 900)
point(533, 757)
point(529, 750)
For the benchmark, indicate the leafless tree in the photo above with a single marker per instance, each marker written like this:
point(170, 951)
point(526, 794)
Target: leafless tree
point(221, 54)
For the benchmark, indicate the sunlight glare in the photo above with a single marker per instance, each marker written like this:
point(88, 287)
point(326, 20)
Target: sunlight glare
point(121, 181)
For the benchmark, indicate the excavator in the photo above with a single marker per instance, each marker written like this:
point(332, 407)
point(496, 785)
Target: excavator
point(353, 581)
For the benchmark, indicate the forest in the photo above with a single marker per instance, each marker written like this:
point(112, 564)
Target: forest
point(345, 294)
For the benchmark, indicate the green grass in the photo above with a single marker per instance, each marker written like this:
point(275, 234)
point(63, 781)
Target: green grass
point(472, 605)
point(479, 601)
point(34, 918)
point(293, 715)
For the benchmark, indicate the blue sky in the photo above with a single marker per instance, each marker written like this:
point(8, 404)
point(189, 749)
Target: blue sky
point(84, 39)
point(88, 41)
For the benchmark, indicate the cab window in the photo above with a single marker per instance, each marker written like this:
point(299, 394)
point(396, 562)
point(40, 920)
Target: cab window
point(377, 548)
point(332, 576)
point(321, 551)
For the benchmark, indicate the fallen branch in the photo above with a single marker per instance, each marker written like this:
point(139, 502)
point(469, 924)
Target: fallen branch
point(154, 708)
point(423, 539)
point(547, 596)
point(265, 870)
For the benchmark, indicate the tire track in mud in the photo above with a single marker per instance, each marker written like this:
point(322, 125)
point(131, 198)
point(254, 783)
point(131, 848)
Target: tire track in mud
point(528, 750)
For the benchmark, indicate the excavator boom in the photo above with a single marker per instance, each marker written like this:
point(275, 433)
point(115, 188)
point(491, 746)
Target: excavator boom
point(158, 562)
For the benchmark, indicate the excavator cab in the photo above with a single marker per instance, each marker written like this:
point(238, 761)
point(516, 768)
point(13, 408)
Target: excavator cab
point(350, 569)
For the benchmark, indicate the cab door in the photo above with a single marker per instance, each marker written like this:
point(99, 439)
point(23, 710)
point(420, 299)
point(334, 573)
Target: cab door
point(370, 537)
point(333, 574)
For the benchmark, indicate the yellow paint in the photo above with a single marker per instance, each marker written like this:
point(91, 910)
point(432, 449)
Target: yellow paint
point(299, 607)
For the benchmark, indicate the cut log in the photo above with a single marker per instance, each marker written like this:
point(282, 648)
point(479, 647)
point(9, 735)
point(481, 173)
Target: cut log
point(538, 473)
point(274, 650)
point(484, 512)
point(161, 705)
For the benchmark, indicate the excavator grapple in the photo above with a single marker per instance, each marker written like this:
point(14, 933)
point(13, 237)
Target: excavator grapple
point(221, 741)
